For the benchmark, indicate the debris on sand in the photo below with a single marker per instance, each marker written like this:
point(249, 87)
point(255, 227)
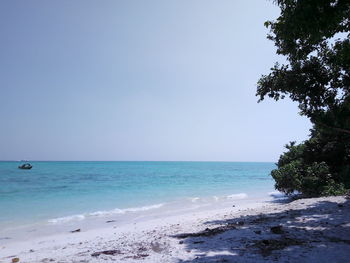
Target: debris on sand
point(111, 252)
point(266, 246)
point(208, 232)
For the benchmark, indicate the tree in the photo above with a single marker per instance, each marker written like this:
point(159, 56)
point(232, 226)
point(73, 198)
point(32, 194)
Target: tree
point(314, 35)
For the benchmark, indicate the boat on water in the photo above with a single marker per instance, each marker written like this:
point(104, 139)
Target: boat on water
point(25, 166)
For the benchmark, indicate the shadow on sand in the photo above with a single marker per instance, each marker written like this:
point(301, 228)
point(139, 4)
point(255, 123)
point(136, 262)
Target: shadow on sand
point(316, 233)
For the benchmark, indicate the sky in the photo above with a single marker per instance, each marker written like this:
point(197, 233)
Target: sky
point(140, 80)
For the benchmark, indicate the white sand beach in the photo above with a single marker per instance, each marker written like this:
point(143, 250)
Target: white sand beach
point(304, 230)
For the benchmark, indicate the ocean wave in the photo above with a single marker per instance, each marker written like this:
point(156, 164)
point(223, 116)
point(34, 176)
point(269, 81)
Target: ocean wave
point(143, 208)
point(103, 213)
point(237, 196)
point(66, 219)
point(218, 198)
point(194, 199)
point(108, 212)
point(126, 210)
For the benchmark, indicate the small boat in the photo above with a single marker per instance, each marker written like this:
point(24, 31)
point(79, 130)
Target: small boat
point(25, 166)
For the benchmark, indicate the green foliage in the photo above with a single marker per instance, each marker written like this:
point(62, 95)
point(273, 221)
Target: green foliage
point(294, 173)
point(305, 24)
point(332, 188)
point(288, 177)
point(317, 77)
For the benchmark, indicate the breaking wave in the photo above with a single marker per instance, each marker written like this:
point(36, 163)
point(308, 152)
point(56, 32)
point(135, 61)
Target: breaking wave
point(237, 196)
point(103, 213)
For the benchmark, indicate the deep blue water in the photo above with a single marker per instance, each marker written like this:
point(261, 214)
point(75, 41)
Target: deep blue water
point(59, 189)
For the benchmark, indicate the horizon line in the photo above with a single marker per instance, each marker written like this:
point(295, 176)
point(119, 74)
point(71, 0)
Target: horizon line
point(135, 161)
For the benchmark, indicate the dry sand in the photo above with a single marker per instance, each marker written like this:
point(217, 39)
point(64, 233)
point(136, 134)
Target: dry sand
point(305, 230)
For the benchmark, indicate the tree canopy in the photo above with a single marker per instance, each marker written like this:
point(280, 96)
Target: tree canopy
point(314, 35)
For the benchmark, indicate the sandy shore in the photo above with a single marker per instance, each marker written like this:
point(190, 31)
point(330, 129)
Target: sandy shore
point(305, 230)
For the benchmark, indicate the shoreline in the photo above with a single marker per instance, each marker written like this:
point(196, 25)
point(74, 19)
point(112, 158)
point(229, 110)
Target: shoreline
point(306, 229)
point(95, 220)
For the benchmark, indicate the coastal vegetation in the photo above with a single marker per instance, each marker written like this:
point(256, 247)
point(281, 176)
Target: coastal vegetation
point(314, 37)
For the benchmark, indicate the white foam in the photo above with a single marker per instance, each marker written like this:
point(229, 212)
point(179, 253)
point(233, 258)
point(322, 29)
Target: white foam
point(143, 208)
point(194, 199)
point(237, 196)
point(66, 219)
point(126, 210)
point(103, 213)
point(106, 213)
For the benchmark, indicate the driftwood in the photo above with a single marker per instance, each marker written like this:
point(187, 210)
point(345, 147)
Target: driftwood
point(208, 232)
point(107, 252)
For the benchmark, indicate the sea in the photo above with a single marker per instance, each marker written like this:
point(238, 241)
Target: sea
point(72, 192)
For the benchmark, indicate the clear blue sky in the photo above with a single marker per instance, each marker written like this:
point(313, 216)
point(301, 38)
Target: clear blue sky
point(139, 80)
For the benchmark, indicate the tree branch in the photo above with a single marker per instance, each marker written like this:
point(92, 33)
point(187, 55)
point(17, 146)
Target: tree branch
point(335, 128)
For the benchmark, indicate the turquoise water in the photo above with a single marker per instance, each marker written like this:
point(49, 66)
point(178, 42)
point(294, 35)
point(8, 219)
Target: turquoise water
point(61, 189)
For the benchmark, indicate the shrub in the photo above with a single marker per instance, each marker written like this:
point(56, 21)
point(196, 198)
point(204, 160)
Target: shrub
point(294, 173)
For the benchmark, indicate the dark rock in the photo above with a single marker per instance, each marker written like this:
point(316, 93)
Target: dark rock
point(110, 221)
point(257, 232)
point(277, 229)
point(76, 230)
point(198, 242)
point(340, 205)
